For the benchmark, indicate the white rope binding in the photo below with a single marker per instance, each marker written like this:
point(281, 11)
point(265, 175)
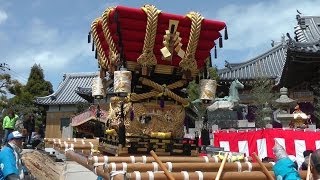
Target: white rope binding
point(105, 159)
point(133, 159)
point(249, 166)
point(114, 173)
point(239, 166)
point(169, 164)
point(144, 159)
point(155, 166)
point(185, 175)
point(206, 159)
point(113, 166)
point(200, 175)
point(151, 175)
point(138, 175)
point(124, 166)
point(95, 159)
point(216, 159)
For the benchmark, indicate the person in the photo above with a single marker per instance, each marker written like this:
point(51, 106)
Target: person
point(36, 138)
point(29, 125)
point(8, 125)
point(306, 154)
point(284, 168)
point(315, 164)
point(10, 157)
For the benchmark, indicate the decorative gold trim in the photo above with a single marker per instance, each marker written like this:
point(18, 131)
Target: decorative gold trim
point(165, 90)
point(159, 68)
point(102, 59)
point(188, 62)
point(147, 58)
point(153, 93)
point(113, 52)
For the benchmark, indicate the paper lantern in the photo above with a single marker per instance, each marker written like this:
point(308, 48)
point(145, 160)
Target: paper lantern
point(208, 89)
point(98, 90)
point(122, 81)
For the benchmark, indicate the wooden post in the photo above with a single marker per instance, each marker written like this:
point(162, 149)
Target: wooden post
point(148, 159)
point(264, 169)
point(167, 173)
point(178, 167)
point(222, 166)
point(309, 168)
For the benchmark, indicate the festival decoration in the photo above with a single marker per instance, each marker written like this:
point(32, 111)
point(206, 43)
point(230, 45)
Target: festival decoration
point(98, 89)
point(208, 89)
point(122, 81)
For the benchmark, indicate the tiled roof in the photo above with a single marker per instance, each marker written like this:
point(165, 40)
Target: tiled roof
point(307, 35)
point(308, 28)
point(66, 92)
point(270, 64)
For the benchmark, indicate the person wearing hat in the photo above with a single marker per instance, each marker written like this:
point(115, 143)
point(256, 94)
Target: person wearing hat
point(10, 157)
point(284, 168)
point(315, 164)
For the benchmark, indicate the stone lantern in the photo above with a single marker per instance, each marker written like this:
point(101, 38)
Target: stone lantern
point(267, 113)
point(284, 103)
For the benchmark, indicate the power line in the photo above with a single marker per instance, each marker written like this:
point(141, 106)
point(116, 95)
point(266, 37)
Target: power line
point(19, 75)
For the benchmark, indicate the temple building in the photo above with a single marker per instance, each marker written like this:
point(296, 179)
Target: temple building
point(62, 104)
point(293, 63)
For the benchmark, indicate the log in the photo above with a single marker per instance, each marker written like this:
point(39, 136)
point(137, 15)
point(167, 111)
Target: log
point(178, 167)
point(52, 140)
point(254, 175)
point(83, 161)
point(309, 169)
point(76, 146)
point(222, 166)
point(163, 167)
point(264, 169)
point(41, 166)
point(148, 159)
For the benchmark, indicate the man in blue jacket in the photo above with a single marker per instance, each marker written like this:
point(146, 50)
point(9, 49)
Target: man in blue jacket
point(10, 158)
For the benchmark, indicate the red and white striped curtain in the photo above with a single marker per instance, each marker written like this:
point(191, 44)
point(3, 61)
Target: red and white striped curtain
point(262, 141)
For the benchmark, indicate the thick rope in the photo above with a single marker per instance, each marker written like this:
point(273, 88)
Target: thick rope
point(113, 52)
point(147, 58)
point(189, 63)
point(102, 59)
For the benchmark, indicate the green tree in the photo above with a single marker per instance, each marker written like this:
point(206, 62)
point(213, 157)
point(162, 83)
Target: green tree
point(262, 94)
point(23, 101)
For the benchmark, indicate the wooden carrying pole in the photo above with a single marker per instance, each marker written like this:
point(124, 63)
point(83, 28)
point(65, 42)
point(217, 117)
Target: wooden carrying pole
point(52, 140)
point(178, 167)
point(146, 159)
point(163, 167)
point(254, 175)
point(309, 168)
point(264, 169)
point(83, 161)
point(222, 166)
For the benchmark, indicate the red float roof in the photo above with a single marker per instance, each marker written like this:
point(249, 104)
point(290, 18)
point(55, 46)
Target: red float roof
point(133, 24)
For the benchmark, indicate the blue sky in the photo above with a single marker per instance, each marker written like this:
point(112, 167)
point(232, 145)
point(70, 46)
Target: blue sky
point(54, 33)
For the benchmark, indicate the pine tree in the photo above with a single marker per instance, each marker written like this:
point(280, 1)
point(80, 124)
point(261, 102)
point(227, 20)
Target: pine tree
point(262, 94)
point(23, 101)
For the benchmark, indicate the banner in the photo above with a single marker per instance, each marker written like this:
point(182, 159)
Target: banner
point(262, 141)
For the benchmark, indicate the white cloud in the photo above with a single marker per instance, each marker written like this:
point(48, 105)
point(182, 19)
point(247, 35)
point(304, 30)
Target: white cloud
point(41, 33)
point(51, 58)
point(56, 51)
point(3, 16)
point(251, 25)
